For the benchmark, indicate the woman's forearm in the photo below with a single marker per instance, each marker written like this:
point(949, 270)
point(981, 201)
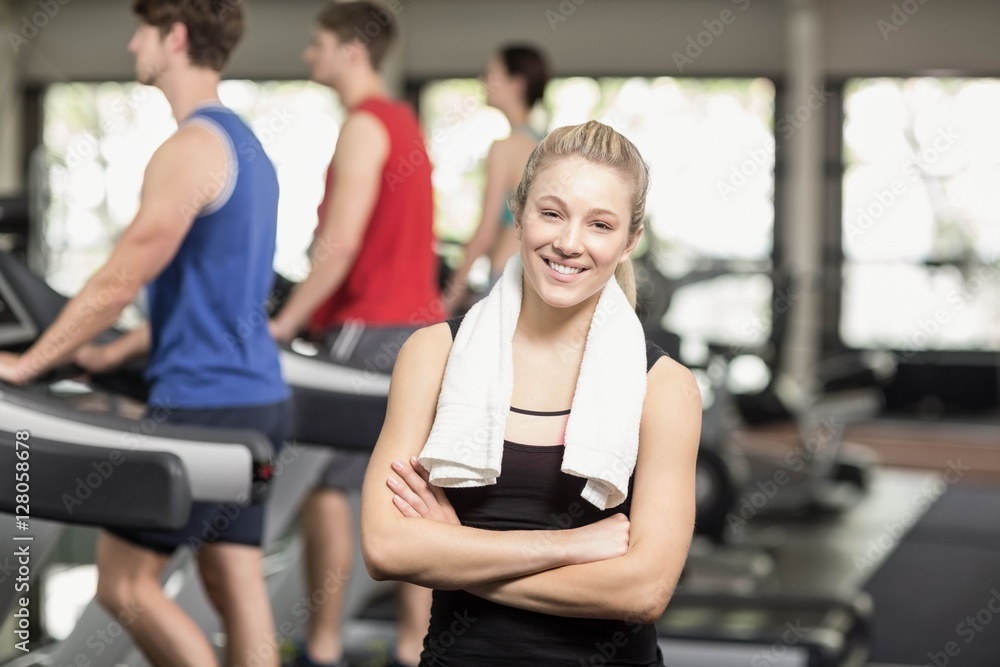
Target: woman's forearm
point(446, 556)
point(623, 588)
point(411, 532)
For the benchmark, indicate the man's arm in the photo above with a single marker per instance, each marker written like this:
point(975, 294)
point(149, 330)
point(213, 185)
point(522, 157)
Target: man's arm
point(362, 150)
point(103, 358)
point(184, 174)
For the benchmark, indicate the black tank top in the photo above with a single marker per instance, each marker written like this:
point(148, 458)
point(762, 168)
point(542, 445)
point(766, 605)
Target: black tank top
point(532, 493)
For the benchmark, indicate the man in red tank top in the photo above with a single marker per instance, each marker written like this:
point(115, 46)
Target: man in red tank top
point(373, 282)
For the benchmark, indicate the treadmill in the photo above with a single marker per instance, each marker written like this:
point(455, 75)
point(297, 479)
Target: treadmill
point(336, 408)
point(99, 468)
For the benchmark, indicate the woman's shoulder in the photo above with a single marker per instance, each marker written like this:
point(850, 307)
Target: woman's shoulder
point(427, 348)
point(666, 377)
point(431, 338)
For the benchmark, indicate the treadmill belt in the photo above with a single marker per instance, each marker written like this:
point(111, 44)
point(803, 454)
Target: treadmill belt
point(936, 590)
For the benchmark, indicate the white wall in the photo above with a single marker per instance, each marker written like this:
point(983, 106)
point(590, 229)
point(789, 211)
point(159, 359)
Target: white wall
point(960, 35)
point(86, 38)
point(598, 36)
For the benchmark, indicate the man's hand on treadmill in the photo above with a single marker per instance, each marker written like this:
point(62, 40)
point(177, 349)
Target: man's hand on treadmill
point(281, 332)
point(12, 371)
point(97, 358)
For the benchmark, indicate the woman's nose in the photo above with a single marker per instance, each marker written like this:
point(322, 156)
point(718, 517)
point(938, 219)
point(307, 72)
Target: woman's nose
point(569, 239)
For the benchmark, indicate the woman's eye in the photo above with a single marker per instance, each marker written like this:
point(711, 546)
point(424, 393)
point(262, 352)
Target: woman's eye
point(602, 225)
point(550, 214)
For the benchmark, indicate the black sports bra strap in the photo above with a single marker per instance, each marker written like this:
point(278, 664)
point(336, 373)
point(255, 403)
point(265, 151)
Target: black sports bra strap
point(653, 354)
point(453, 324)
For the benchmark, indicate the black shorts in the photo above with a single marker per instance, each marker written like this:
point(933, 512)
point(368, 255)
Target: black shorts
point(370, 348)
point(211, 522)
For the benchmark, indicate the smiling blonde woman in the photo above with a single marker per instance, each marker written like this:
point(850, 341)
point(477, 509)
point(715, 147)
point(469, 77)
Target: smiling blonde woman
point(551, 536)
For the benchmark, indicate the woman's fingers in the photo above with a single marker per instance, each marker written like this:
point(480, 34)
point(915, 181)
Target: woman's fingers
point(417, 482)
point(420, 470)
point(436, 492)
point(404, 507)
point(412, 487)
point(404, 492)
point(409, 475)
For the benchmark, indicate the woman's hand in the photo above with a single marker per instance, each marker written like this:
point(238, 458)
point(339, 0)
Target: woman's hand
point(415, 497)
point(601, 540)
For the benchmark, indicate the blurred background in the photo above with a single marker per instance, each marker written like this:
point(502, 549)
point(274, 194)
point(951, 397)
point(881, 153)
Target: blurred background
point(822, 246)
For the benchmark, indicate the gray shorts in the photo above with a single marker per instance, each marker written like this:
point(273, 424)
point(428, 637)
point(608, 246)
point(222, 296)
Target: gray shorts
point(370, 348)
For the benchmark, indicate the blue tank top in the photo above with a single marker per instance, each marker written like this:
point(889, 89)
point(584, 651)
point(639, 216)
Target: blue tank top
point(211, 347)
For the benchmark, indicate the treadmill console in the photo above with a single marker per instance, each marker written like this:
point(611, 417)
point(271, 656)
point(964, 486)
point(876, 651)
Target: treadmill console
point(15, 326)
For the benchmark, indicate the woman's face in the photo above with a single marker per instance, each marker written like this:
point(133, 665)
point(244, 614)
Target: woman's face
point(574, 230)
point(501, 88)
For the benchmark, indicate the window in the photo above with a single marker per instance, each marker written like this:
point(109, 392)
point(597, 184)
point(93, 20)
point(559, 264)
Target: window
point(921, 214)
point(98, 138)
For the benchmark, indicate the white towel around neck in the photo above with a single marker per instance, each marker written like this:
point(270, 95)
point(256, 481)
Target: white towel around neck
point(465, 445)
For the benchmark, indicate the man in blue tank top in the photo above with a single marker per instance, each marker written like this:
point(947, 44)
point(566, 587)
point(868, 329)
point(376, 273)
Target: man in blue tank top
point(203, 241)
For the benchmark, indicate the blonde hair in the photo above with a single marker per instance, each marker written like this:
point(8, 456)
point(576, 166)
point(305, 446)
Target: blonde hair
point(597, 143)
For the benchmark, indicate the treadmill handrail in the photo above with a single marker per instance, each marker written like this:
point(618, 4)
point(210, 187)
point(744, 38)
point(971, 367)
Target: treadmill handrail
point(324, 375)
point(256, 442)
point(220, 462)
point(80, 484)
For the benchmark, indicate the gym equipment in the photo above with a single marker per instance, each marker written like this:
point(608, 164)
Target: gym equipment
point(818, 472)
point(103, 469)
point(729, 608)
point(726, 631)
point(140, 489)
point(335, 407)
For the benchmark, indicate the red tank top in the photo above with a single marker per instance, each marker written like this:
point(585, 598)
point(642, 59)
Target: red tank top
point(393, 281)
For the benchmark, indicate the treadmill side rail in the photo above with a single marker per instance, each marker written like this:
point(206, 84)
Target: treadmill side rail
point(112, 488)
point(222, 464)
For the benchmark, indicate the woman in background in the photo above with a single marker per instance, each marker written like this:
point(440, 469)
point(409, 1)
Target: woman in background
point(516, 77)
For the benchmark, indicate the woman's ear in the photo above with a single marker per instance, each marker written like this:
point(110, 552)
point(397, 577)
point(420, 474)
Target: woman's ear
point(630, 248)
point(518, 218)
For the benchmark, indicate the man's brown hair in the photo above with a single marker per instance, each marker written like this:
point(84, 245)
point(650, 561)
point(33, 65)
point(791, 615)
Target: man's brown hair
point(214, 26)
point(365, 22)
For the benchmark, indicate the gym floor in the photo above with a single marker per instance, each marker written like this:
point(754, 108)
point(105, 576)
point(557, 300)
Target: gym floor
point(925, 546)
